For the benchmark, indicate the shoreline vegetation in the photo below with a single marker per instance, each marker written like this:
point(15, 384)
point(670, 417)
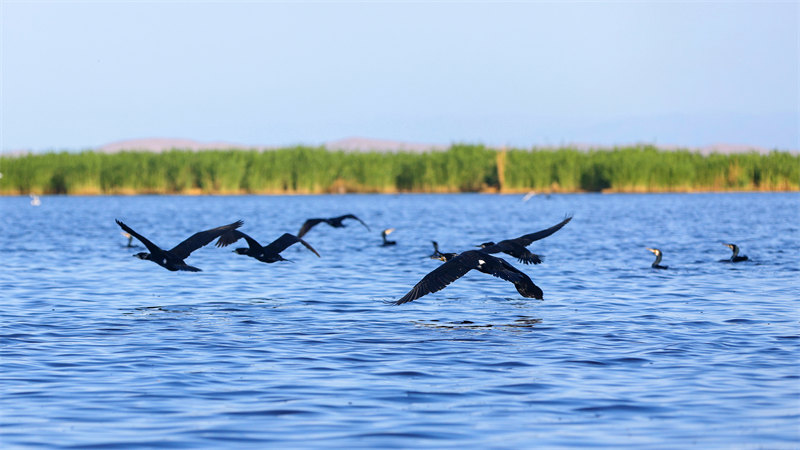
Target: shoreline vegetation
point(460, 168)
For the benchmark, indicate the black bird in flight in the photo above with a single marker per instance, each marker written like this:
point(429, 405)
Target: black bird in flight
point(387, 242)
point(516, 247)
point(268, 254)
point(439, 255)
point(173, 259)
point(658, 254)
point(457, 266)
point(335, 222)
point(735, 256)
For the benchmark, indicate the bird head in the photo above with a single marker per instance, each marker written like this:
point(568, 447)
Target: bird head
point(387, 231)
point(439, 257)
point(654, 250)
point(142, 255)
point(240, 251)
point(486, 244)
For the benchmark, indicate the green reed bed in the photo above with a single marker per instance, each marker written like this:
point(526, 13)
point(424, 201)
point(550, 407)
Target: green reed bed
point(461, 168)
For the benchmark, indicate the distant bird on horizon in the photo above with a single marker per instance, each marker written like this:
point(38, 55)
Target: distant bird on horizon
point(658, 254)
point(267, 254)
point(35, 201)
point(457, 266)
point(516, 247)
point(735, 256)
point(387, 242)
point(173, 259)
point(335, 222)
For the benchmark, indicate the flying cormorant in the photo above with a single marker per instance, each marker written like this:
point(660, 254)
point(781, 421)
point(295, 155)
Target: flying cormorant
point(459, 265)
point(335, 222)
point(268, 254)
point(516, 247)
point(387, 242)
point(656, 264)
point(439, 255)
point(735, 257)
point(173, 259)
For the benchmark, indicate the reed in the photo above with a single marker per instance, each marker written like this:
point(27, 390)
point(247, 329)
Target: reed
point(461, 168)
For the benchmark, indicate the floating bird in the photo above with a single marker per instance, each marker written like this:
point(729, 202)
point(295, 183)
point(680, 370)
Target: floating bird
point(656, 264)
point(735, 257)
point(130, 239)
point(439, 255)
point(457, 266)
point(387, 242)
point(516, 247)
point(173, 259)
point(335, 222)
point(35, 200)
point(268, 254)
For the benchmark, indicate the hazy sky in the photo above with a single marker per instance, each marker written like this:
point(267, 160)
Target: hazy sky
point(83, 74)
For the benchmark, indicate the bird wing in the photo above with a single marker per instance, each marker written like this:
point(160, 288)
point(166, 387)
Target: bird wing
point(440, 277)
point(502, 269)
point(232, 236)
point(527, 239)
point(285, 241)
point(150, 246)
point(307, 225)
point(350, 216)
point(197, 240)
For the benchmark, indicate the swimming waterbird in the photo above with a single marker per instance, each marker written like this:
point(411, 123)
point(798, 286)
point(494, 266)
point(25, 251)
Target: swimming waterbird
point(516, 247)
point(173, 259)
point(735, 256)
point(130, 239)
point(457, 266)
point(658, 254)
point(387, 242)
point(335, 222)
point(268, 254)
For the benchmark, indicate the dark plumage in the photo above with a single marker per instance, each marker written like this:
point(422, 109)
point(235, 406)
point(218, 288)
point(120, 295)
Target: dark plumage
point(387, 242)
point(335, 222)
point(459, 265)
point(516, 247)
point(735, 256)
point(268, 254)
point(658, 254)
point(173, 259)
point(130, 239)
point(439, 255)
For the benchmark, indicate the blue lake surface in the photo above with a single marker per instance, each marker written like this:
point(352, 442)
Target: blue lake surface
point(102, 350)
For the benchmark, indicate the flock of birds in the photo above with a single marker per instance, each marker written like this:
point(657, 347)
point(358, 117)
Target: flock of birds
point(455, 266)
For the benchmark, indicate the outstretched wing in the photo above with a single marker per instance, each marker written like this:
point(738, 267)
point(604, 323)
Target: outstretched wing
point(150, 246)
point(197, 240)
point(307, 225)
point(350, 216)
point(285, 241)
point(521, 280)
point(232, 236)
point(440, 277)
point(527, 239)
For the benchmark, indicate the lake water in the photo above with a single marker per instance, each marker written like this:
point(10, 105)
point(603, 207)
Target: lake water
point(102, 350)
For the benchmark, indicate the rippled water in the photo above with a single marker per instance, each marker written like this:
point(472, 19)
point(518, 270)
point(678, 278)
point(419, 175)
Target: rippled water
point(100, 349)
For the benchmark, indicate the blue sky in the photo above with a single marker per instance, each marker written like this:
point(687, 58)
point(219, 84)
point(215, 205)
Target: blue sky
point(82, 74)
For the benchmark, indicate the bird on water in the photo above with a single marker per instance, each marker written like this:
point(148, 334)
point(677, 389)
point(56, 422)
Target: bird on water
point(130, 239)
point(268, 254)
point(173, 259)
point(656, 264)
point(457, 266)
point(516, 247)
point(735, 256)
point(387, 242)
point(335, 222)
